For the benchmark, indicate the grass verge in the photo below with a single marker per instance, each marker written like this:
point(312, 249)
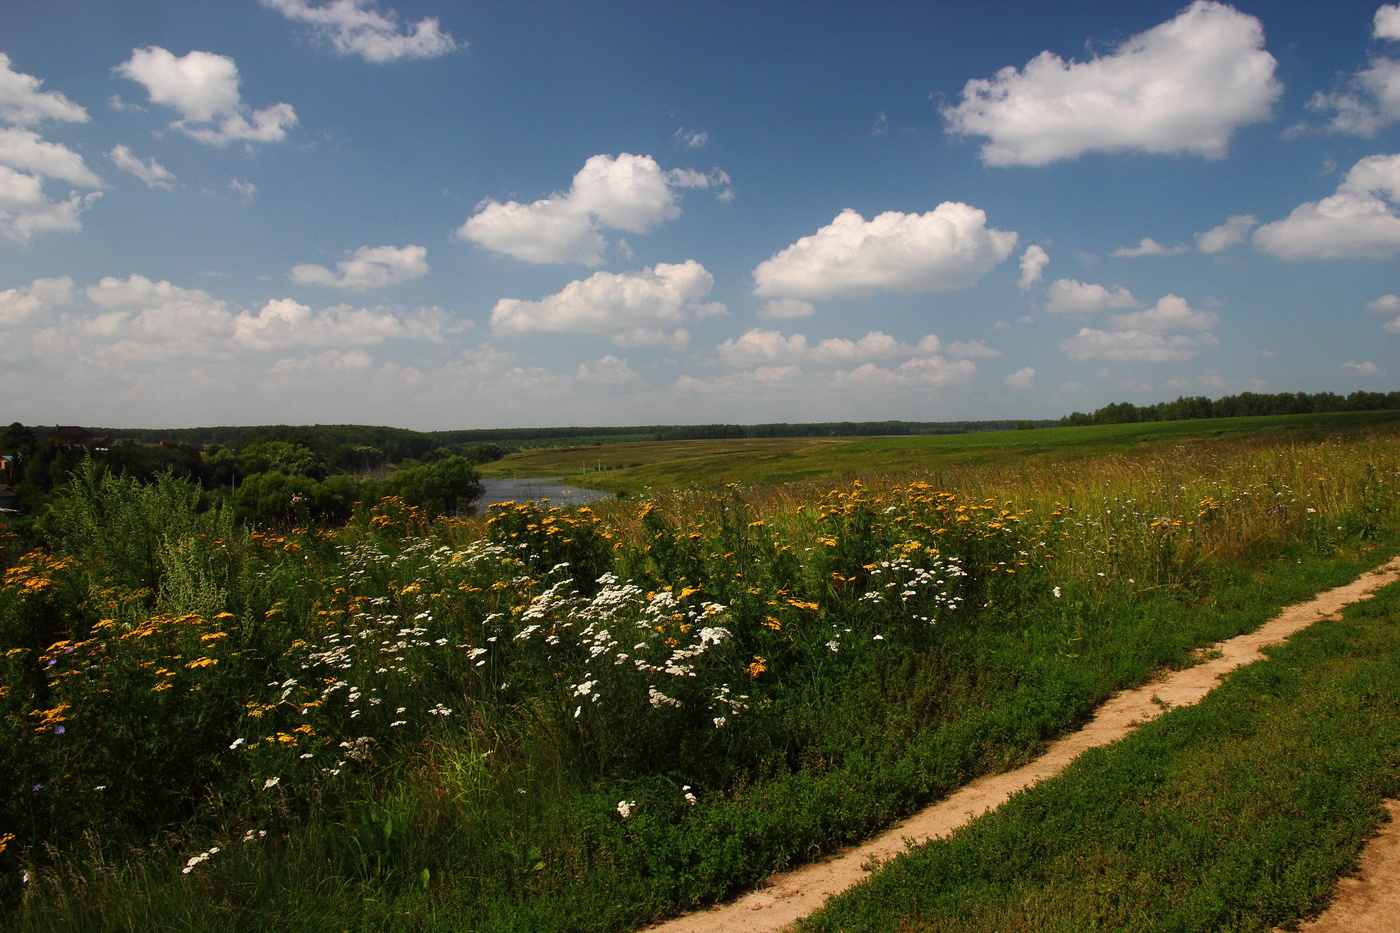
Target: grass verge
point(1237, 814)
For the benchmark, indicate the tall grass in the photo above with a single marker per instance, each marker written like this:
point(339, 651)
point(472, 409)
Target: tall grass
point(586, 719)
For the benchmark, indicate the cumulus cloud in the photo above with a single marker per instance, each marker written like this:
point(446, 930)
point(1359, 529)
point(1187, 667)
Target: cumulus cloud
point(285, 323)
point(770, 347)
point(151, 172)
point(26, 151)
point(18, 305)
point(1360, 220)
point(22, 103)
point(1169, 314)
point(967, 349)
point(1228, 235)
point(25, 210)
point(607, 370)
point(1148, 247)
point(1368, 100)
point(26, 159)
point(947, 248)
point(1021, 379)
point(1362, 369)
point(1033, 263)
point(1386, 24)
point(629, 192)
point(776, 308)
point(1388, 305)
point(203, 88)
point(1182, 86)
point(136, 318)
point(634, 308)
point(1082, 299)
point(1147, 336)
point(368, 267)
point(355, 27)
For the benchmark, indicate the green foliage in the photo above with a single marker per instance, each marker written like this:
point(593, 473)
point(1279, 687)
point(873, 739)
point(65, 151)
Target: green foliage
point(586, 719)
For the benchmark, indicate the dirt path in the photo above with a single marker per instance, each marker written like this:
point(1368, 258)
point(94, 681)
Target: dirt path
point(795, 894)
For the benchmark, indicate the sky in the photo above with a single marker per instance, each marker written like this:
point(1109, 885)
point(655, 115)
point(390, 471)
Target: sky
point(440, 215)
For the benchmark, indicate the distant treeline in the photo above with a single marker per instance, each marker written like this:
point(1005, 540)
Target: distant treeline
point(1244, 405)
point(342, 445)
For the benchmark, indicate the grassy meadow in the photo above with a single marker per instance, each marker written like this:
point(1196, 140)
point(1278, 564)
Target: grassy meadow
point(647, 467)
point(586, 720)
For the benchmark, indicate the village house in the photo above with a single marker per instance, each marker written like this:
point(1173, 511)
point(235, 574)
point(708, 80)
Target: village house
point(67, 435)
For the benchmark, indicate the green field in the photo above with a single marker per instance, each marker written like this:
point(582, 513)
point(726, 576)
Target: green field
point(658, 466)
point(561, 721)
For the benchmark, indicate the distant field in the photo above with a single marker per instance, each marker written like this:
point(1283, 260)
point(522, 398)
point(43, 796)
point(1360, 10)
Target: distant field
point(637, 468)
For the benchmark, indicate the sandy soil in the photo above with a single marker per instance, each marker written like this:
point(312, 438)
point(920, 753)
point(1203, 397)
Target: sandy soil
point(792, 895)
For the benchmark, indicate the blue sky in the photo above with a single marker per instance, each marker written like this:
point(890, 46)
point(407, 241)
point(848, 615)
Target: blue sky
point(453, 215)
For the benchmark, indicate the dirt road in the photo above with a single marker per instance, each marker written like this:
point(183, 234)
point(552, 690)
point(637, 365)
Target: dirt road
point(795, 894)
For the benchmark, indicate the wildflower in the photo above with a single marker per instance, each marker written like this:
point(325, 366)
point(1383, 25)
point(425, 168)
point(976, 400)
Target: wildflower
point(58, 730)
point(236, 742)
point(624, 808)
point(1056, 591)
point(271, 782)
point(689, 797)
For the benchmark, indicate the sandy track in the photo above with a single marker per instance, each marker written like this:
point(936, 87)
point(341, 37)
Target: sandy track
point(795, 894)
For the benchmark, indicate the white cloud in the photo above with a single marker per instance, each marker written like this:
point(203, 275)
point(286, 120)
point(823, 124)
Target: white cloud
point(694, 139)
point(1146, 336)
point(368, 267)
point(607, 370)
point(629, 192)
point(315, 366)
point(22, 103)
point(203, 88)
point(968, 349)
point(777, 308)
point(769, 347)
point(1361, 369)
point(1228, 235)
point(354, 27)
point(947, 248)
point(1358, 221)
point(1182, 86)
point(1133, 346)
point(1386, 24)
point(18, 305)
point(1370, 100)
point(151, 172)
point(1169, 314)
point(1148, 247)
point(283, 323)
point(1021, 379)
point(26, 151)
point(1389, 305)
point(1033, 263)
point(633, 308)
point(1081, 299)
point(245, 190)
point(25, 210)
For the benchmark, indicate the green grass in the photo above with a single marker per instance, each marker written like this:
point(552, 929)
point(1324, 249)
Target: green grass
point(656, 466)
point(434, 724)
point(1237, 814)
